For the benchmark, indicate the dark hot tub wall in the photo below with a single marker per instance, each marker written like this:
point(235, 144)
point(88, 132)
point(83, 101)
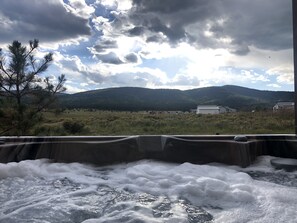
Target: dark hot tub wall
point(116, 149)
point(195, 149)
point(285, 148)
point(203, 151)
point(95, 150)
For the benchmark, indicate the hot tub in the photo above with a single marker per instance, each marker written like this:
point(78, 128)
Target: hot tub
point(146, 179)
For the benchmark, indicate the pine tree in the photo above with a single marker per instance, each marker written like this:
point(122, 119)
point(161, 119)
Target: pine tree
point(23, 92)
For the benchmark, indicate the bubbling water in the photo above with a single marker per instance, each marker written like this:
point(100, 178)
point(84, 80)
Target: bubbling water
point(145, 191)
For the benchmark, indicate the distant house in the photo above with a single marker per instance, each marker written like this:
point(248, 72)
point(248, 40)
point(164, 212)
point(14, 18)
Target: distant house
point(280, 106)
point(209, 109)
point(213, 109)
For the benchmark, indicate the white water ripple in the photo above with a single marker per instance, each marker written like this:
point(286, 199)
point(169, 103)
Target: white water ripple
point(145, 191)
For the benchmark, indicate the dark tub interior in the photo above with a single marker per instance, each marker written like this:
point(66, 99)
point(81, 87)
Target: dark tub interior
point(104, 150)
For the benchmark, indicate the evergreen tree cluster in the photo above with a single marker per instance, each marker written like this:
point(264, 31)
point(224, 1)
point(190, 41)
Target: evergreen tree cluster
point(24, 93)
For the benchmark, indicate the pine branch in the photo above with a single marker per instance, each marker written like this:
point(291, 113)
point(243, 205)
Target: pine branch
point(20, 78)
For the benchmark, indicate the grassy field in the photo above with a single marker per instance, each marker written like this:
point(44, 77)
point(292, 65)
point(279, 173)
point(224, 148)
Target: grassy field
point(83, 122)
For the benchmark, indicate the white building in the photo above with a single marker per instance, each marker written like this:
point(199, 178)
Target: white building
point(208, 109)
point(283, 106)
point(213, 109)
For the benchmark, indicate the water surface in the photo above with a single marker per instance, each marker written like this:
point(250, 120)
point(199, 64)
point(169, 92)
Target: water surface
point(146, 191)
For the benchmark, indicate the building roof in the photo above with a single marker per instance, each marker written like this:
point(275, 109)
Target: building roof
point(284, 103)
point(208, 107)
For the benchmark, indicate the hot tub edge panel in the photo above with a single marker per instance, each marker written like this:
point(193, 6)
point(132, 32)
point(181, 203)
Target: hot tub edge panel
point(109, 150)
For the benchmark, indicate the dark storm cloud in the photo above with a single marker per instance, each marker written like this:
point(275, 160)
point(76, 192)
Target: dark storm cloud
point(109, 58)
point(164, 6)
point(153, 38)
point(171, 17)
point(132, 58)
point(136, 31)
point(46, 20)
point(240, 50)
point(113, 58)
point(174, 33)
point(105, 44)
point(263, 24)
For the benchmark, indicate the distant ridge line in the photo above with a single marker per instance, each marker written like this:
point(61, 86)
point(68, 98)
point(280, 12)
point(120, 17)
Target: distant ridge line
point(140, 99)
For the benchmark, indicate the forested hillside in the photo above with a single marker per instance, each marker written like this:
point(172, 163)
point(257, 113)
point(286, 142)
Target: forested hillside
point(139, 99)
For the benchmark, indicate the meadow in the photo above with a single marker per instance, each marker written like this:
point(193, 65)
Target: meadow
point(97, 123)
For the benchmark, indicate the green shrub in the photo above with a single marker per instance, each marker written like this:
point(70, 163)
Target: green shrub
point(49, 131)
point(73, 127)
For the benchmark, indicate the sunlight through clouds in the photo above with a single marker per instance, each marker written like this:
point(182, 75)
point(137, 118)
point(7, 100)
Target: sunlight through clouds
point(159, 44)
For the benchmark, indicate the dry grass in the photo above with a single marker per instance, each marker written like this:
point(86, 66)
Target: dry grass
point(139, 123)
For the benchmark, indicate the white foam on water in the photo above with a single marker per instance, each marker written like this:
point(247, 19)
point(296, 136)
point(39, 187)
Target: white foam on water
point(144, 191)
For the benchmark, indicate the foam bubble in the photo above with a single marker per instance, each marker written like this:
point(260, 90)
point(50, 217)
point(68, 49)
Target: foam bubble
point(145, 191)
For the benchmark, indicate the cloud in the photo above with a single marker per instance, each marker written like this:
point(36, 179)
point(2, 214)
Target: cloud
point(104, 44)
point(284, 73)
point(70, 89)
point(48, 21)
point(94, 75)
point(183, 80)
point(110, 58)
point(155, 38)
point(77, 71)
point(79, 8)
point(158, 43)
point(274, 85)
point(107, 52)
point(136, 31)
point(263, 24)
point(132, 58)
point(240, 50)
point(139, 79)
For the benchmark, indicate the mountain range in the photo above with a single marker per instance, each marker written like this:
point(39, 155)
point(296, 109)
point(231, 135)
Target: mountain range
point(144, 99)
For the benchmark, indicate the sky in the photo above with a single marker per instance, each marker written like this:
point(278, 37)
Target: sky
point(176, 44)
